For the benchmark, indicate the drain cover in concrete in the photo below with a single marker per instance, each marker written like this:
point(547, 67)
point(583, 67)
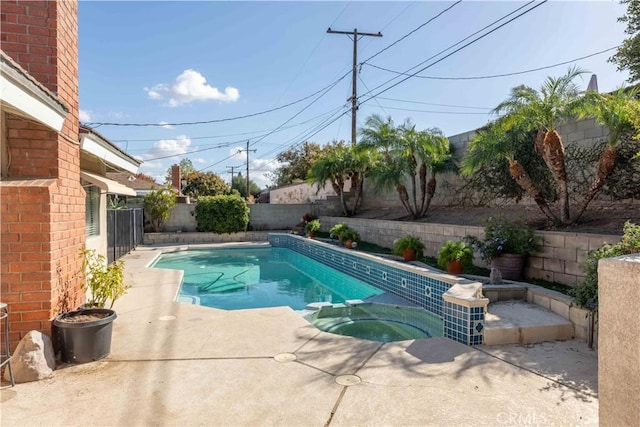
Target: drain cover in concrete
point(284, 357)
point(348, 379)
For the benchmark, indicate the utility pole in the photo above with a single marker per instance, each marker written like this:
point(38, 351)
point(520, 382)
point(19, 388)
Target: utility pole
point(247, 150)
point(232, 172)
point(354, 91)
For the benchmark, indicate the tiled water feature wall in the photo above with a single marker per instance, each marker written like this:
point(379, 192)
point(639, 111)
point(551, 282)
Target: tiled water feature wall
point(416, 285)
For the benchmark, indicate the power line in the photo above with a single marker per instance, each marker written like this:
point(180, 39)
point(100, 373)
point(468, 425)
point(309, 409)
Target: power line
point(230, 134)
point(412, 31)
point(229, 143)
point(433, 112)
point(309, 135)
point(227, 119)
point(493, 76)
point(375, 99)
point(431, 103)
point(291, 81)
point(327, 89)
point(459, 49)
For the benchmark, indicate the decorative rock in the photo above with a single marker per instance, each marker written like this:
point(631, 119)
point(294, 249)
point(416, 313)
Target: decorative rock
point(495, 277)
point(33, 359)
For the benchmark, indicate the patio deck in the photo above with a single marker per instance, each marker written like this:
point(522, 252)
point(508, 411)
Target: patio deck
point(180, 364)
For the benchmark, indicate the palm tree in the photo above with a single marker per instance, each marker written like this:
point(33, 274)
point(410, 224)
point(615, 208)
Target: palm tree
point(611, 110)
point(403, 155)
point(337, 164)
point(493, 144)
point(553, 104)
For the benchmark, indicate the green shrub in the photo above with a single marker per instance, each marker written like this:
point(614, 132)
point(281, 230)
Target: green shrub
point(586, 293)
point(158, 205)
point(105, 281)
point(222, 214)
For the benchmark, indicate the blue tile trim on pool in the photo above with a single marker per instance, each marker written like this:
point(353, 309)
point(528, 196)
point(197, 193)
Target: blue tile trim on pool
point(461, 323)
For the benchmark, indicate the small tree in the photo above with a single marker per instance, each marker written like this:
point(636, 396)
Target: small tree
point(239, 183)
point(628, 55)
point(295, 163)
point(338, 164)
point(200, 184)
point(407, 160)
point(158, 205)
point(222, 214)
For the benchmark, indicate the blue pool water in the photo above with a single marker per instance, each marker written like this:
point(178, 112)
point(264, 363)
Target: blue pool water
point(233, 279)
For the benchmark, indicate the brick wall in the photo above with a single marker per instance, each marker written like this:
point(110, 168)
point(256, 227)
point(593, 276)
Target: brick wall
point(43, 204)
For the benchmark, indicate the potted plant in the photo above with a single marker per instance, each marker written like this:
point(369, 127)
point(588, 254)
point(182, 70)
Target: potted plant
point(455, 256)
point(410, 247)
point(337, 230)
point(505, 245)
point(350, 236)
point(312, 227)
point(85, 334)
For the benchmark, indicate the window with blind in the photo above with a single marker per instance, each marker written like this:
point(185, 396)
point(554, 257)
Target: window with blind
point(92, 216)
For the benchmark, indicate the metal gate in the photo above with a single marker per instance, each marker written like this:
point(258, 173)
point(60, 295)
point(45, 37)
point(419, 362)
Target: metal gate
point(125, 229)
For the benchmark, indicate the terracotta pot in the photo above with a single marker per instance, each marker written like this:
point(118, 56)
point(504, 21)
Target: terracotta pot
point(510, 265)
point(311, 234)
point(454, 267)
point(348, 244)
point(409, 254)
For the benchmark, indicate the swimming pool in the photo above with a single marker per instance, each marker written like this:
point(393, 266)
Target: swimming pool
point(243, 278)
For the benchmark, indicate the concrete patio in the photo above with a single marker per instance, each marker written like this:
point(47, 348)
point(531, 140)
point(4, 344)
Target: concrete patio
point(180, 364)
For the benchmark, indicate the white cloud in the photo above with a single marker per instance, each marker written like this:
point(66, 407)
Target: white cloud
point(85, 116)
point(165, 125)
point(190, 86)
point(168, 147)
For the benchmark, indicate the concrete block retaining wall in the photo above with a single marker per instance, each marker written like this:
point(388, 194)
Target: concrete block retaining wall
point(561, 259)
point(178, 238)
point(261, 216)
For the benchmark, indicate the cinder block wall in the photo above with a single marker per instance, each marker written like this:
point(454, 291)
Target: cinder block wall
point(42, 202)
point(261, 216)
point(561, 259)
point(619, 341)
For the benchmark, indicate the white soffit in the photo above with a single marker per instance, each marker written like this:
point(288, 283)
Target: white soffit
point(106, 184)
point(24, 102)
point(95, 147)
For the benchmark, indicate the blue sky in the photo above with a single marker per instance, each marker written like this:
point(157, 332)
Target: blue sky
point(175, 62)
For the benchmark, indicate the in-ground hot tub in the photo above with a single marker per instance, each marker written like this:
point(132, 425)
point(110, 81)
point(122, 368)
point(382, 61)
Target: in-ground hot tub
point(376, 322)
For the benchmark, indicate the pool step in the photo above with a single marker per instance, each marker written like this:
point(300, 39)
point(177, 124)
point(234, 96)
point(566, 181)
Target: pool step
point(519, 322)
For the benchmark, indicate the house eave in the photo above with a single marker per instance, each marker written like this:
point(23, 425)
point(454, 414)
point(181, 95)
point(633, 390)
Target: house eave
point(20, 94)
point(98, 146)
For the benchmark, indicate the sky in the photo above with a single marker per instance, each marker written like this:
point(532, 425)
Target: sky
point(168, 63)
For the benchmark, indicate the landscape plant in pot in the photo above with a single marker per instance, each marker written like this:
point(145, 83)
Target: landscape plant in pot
point(85, 334)
point(506, 244)
point(455, 256)
point(312, 227)
point(337, 230)
point(409, 247)
point(349, 237)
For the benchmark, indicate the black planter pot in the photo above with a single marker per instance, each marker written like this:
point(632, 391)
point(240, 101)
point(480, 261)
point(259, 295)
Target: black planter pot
point(85, 341)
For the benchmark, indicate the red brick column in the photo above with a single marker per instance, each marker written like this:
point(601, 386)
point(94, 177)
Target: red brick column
point(42, 204)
